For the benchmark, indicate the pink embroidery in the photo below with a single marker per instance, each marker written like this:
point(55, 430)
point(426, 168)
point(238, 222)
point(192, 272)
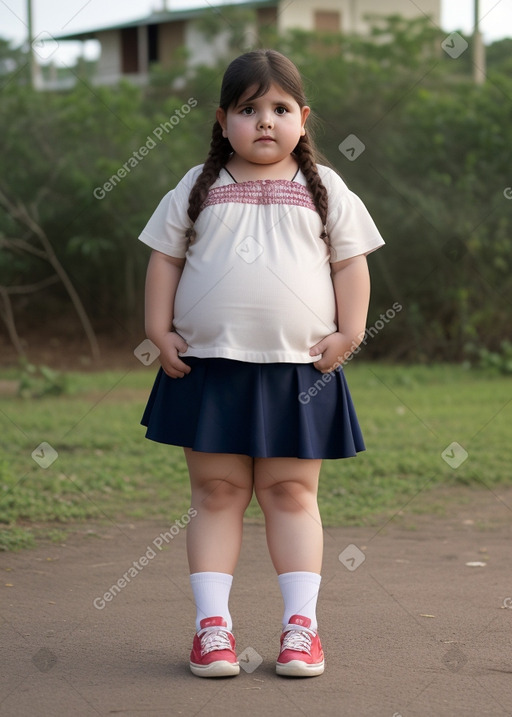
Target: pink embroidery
point(263, 191)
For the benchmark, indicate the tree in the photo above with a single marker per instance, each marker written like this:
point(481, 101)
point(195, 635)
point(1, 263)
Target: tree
point(433, 173)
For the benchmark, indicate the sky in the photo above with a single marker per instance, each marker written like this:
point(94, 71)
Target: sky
point(58, 17)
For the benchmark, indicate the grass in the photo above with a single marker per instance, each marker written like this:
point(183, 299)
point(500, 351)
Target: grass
point(106, 471)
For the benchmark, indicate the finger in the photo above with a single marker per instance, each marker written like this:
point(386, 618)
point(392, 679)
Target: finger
point(181, 346)
point(324, 370)
point(317, 349)
point(173, 372)
point(180, 366)
point(174, 367)
point(325, 365)
point(320, 366)
point(184, 368)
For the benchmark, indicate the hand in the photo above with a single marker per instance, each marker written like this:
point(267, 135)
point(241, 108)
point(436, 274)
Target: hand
point(335, 349)
point(171, 363)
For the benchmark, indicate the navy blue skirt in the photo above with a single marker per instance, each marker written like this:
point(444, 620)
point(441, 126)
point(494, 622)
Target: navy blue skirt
point(260, 410)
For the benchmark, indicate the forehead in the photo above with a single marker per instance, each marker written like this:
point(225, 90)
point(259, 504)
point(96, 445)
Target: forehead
point(274, 94)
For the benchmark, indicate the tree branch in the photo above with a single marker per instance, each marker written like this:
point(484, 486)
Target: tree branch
point(30, 288)
point(20, 213)
point(8, 318)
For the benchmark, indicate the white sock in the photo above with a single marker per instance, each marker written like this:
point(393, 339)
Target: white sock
point(300, 593)
point(211, 596)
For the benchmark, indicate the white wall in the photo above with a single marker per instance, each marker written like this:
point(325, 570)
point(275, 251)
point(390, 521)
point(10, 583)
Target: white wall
point(109, 63)
point(300, 13)
point(406, 8)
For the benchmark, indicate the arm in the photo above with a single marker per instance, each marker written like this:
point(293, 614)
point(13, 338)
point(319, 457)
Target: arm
point(351, 281)
point(162, 278)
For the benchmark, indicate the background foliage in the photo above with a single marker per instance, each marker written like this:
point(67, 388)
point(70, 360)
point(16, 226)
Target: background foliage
point(433, 174)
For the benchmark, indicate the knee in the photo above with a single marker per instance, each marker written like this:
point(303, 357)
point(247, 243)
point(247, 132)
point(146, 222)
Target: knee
point(217, 495)
point(286, 496)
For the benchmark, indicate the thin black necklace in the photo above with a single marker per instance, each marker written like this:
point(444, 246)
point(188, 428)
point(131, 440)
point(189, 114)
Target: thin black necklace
point(236, 182)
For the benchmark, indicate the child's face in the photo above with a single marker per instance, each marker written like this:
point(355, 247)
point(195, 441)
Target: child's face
point(264, 130)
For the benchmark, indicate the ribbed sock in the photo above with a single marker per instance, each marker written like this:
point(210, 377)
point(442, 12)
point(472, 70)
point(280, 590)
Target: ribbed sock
point(300, 594)
point(211, 596)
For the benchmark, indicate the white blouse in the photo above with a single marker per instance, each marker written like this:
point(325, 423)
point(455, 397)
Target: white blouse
point(256, 285)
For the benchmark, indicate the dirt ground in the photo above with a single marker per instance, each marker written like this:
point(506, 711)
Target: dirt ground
point(415, 617)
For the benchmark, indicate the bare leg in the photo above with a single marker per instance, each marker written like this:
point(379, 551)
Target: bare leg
point(221, 486)
point(286, 489)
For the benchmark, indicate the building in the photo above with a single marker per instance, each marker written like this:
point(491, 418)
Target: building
point(128, 49)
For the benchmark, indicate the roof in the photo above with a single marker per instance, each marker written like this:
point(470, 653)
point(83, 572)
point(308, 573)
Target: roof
point(158, 18)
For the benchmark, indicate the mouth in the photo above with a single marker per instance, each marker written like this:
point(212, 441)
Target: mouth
point(265, 139)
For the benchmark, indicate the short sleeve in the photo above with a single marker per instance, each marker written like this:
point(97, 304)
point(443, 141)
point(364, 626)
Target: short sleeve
point(167, 226)
point(350, 227)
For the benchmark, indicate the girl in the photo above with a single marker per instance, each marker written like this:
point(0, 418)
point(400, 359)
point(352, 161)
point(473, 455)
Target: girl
point(256, 286)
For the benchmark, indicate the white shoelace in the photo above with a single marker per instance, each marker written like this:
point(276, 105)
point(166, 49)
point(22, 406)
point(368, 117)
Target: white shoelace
point(297, 640)
point(214, 638)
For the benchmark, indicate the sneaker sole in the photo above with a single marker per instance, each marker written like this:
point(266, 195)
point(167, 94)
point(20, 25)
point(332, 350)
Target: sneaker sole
point(221, 668)
point(298, 668)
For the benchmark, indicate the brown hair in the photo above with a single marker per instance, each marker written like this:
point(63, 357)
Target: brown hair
point(260, 68)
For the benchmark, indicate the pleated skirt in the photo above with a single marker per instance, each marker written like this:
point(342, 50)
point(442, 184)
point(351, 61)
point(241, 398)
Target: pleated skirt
point(260, 410)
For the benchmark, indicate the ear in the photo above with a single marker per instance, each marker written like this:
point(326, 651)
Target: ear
point(222, 120)
point(304, 114)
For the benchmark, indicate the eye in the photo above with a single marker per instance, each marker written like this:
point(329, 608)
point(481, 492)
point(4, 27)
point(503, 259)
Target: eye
point(247, 111)
point(281, 110)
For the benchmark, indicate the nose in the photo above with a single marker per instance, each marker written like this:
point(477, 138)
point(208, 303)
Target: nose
point(265, 121)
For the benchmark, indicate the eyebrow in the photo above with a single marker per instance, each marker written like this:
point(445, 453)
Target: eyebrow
point(280, 103)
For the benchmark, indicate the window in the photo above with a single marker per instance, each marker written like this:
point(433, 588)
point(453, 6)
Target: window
point(327, 21)
point(153, 43)
point(129, 50)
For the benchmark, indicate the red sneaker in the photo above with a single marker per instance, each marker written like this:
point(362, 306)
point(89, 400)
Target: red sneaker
point(301, 651)
point(213, 652)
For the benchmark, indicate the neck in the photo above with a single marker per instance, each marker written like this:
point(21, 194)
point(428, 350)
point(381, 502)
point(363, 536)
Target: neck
point(245, 171)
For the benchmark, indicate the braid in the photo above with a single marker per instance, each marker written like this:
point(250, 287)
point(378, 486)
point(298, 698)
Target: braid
point(220, 149)
point(305, 154)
